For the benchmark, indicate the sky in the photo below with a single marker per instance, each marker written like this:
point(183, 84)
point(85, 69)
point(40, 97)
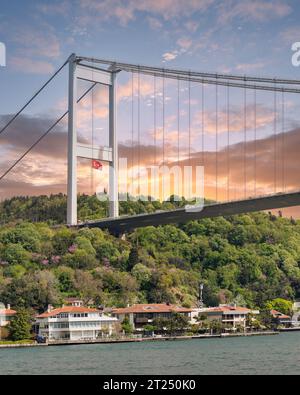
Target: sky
point(239, 37)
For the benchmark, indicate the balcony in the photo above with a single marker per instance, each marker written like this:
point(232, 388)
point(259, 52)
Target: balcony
point(142, 320)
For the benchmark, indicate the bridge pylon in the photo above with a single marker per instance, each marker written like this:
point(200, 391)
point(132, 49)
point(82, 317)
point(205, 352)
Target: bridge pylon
point(80, 71)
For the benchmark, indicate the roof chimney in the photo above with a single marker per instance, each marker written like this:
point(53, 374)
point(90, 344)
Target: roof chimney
point(8, 307)
point(50, 308)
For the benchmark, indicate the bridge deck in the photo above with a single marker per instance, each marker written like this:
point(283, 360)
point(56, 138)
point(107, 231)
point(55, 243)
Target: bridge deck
point(125, 224)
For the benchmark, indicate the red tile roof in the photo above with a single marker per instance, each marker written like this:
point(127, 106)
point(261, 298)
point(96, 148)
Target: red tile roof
point(152, 308)
point(228, 310)
point(8, 312)
point(67, 309)
point(279, 315)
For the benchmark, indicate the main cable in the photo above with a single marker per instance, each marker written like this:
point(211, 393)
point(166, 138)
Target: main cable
point(2, 130)
point(43, 136)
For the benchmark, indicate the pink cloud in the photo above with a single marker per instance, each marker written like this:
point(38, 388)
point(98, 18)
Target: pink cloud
point(32, 66)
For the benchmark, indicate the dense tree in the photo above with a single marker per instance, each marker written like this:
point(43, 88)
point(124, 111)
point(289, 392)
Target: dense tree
point(126, 326)
point(250, 258)
point(19, 328)
point(281, 305)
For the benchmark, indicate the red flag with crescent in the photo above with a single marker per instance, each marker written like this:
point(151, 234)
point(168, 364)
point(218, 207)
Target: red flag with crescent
point(97, 165)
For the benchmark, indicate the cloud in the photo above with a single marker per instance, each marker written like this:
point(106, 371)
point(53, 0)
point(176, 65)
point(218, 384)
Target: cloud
point(44, 170)
point(60, 8)
point(126, 11)
point(37, 43)
point(31, 66)
point(264, 117)
point(192, 26)
point(154, 23)
point(25, 130)
point(257, 10)
point(169, 56)
point(249, 67)
point(290, 35)
point(185, 43)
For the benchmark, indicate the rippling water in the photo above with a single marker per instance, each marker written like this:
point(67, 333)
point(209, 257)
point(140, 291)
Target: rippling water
point(251, 355)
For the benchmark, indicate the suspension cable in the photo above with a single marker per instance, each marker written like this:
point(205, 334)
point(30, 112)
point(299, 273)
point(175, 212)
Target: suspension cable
point(155, 119)
point(178, 122)
point(245, 143)
point(217, 141)
point(228, 143)
point(189, 115)
point(283, 142)
point(2, 130)
point(92, 170)
point(163, 120)
point(43, 136)
point(174, 72)
point(255, 142)
point(139, 135)
point(275, 142)
point(203, 126)
point(132, 133)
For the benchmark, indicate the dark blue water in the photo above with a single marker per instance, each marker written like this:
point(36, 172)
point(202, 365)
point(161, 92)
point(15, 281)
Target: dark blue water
point(253, 355)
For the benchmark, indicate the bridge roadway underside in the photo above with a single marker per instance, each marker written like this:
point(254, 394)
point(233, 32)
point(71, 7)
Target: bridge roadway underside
point(122, 225)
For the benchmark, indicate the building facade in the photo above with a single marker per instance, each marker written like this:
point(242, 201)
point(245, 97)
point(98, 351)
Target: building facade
point(283, 319)
point(140, 315)
point(75, 323)
point(6, 315)
point(232, 317)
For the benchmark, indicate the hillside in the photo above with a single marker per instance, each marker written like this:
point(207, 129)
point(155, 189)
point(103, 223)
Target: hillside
point(250, 259)
point(53, 208)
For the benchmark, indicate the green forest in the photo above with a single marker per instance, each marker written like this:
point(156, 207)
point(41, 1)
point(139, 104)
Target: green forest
point(247, 259)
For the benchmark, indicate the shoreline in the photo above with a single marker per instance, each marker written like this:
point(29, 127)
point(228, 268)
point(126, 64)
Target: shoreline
point(138, 340)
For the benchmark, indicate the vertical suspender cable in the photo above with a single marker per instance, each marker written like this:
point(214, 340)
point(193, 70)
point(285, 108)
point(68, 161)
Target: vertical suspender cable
point(163, 131)
point(245, 142)
point(203, 126)
point(189, 120)
point(93, 125)
point(139, 133)
point(154, 120)
point(217, 139)
point(275, 142)
point(228, 143)
point(132, 131)
point(178, 122)
point(255, 142)
point(283, 142)
point(154, 131)
point(190, 138)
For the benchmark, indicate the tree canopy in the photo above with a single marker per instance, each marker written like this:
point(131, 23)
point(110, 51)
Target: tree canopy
point(254, 259)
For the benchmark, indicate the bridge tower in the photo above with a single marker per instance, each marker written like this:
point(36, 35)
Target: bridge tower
point(80, 71)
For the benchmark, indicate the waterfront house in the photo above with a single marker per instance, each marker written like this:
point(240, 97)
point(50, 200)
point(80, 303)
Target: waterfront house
point(283, 319)
point(231, 316)
point(6, 315)
point(141, 315)
point(75, 323)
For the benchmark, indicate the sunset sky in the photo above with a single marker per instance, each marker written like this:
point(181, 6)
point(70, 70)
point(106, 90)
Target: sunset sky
point(239, 37)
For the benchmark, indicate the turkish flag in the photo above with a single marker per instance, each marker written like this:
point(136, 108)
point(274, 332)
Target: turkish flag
point(97, 165)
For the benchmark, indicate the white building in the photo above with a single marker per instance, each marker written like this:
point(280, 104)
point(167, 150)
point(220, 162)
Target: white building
point(75, 323)
point(6, 315)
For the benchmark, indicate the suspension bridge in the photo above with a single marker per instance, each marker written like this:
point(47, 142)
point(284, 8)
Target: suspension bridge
point(216, 93)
